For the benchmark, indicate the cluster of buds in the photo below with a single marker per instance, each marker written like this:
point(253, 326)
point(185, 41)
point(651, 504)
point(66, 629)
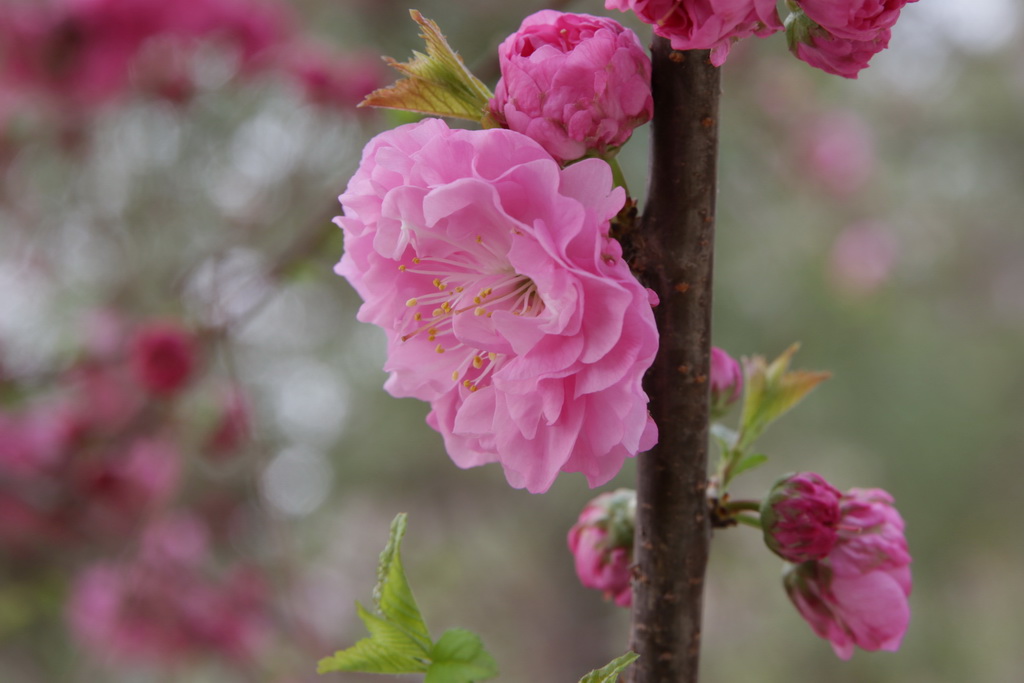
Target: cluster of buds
point(837, 37)
point(850, 578)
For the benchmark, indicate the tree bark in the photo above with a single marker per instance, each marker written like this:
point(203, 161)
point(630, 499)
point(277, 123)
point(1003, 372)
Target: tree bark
point(675, 244)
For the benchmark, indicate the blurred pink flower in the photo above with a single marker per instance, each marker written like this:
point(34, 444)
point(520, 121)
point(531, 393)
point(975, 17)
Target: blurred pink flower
point(332, 79)
point(863, 258)
point(84, 50)
point(858, 594)
point(505, 302)
point(118, 489)
point(800, 517)
point(163, 357)
point(601, 543)
point(575, 83)
point(838, 151)
point(726, 380)
point(705, 24)
point(160, 613)
point(854, 20)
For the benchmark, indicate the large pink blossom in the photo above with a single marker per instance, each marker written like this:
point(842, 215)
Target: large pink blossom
point(858, 594)
point(858, 20)
point(575, 83)
point(506, 304)
point(705, 24)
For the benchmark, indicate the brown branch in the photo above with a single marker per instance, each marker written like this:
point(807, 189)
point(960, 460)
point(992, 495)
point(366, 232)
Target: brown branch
point(675, 243)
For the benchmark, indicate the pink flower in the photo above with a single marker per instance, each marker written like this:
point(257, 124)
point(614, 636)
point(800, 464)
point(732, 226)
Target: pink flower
point(863, 257)
point(835, 55)
point(705, 24)
point(150, 612)
point(857, 595)
point(726, 380)
point(506, 304)
point(601, 543)
point(330, 79)
point(839, 151)
point(163, 357)
point(119, 489)
point(800, 517)
point(575, 83)
point(854, 20)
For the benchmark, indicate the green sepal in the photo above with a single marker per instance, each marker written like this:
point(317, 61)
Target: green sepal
point(610, 672)
point(771, 390)
point(437, 83)
point(459, 657)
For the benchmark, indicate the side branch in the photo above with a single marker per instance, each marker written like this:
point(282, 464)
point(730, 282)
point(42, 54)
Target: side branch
point(675, 247)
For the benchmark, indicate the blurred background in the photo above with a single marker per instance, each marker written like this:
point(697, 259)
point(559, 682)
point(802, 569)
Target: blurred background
point(198, 465)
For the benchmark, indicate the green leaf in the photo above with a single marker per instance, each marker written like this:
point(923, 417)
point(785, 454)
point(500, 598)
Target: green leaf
point(460, 657)
point(388, 650)
point(392, 595)
point(610, 672)
point(771, 391)
point(399, 641)
point(748, 463)
point(437, 83)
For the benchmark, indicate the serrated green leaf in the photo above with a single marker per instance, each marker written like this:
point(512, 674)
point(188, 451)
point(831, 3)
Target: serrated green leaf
point(771, 391)
point(392, 595)
point(610, 672)
point(388, 650)
point(437, 83)
point(460, 657)
point(749, 463)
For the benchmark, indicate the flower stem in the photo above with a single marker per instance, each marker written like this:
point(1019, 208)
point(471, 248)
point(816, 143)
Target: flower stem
point(748, 520)
point(674, 247)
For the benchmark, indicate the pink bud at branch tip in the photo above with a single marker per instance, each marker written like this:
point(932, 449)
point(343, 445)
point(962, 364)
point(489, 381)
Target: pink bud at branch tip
point(857, 593)
point(575, 83)
point(726, 381)
point(601, 543)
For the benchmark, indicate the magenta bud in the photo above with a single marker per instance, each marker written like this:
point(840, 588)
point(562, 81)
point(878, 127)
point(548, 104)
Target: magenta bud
point(800, 517)
point(726, 381)
point(601, 542)
point(856, 596)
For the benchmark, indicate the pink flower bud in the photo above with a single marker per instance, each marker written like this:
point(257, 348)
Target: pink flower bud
point(855, 20)
point(857, 595)
point(820, 48)
point(575, 83)
point(800, 517)
point(601, 542)
point(163, 357)
point(705, 24)
point(726, 380)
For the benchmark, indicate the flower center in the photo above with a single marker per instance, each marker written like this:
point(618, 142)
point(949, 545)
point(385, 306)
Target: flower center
point(474, 281)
